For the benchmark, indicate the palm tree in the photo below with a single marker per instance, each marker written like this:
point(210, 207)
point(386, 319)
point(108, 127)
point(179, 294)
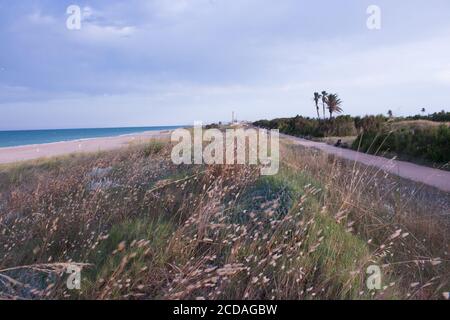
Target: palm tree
point(423, 110)
point(324, 101)
point(334, 104)
point(390, 114)
point(317, 97)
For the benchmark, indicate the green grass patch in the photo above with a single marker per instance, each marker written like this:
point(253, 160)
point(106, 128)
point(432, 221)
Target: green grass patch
point(152, 148)
point(329, 261)
point(131, 248)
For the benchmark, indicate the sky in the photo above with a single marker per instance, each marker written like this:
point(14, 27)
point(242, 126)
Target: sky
point(171, 62)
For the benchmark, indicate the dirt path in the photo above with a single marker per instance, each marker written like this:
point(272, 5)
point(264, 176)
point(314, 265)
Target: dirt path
point(429, 176)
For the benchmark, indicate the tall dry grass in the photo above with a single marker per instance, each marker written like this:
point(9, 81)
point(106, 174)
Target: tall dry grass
point(406, 224)
point(142, 228)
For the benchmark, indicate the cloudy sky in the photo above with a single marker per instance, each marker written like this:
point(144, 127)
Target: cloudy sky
point(166, 62)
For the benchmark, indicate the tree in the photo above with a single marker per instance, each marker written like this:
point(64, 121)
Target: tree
point(423, 110)
point(390, 114)
point(317, 97)
point(334, 104)
point(324, 101)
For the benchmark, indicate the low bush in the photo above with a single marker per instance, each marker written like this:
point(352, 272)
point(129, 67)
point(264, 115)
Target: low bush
point(429, 144)
point(301, 126)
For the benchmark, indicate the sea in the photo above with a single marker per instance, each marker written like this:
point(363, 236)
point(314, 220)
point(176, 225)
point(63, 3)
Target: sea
point(31, 137)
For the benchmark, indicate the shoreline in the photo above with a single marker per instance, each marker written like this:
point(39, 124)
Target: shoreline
point(53, 149)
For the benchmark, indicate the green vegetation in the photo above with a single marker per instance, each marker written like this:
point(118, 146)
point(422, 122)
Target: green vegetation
point(308, 127)
point(331, 100)
point(130, 248)
point(441, 116)
point(152, 148)
point(430, 143)
point(425, 140)
point(329, 254)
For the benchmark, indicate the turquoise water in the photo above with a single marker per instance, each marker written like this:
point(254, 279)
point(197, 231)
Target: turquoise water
point(27, 137)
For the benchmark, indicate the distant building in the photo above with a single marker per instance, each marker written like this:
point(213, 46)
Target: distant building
point(233, 117)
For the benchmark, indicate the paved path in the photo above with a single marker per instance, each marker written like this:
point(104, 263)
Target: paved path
point(433, 177)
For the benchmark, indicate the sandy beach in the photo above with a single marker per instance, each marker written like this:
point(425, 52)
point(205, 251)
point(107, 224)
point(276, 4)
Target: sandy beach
point(47, 150)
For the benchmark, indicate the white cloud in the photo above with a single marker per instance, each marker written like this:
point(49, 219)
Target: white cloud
point(37, 17)
point(93, 32)
point(174, 8)
point(203, 58)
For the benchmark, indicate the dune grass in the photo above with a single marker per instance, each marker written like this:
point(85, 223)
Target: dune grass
point(143, 228)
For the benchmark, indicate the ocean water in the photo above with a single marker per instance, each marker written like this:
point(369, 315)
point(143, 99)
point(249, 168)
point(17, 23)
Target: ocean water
point(30, 137)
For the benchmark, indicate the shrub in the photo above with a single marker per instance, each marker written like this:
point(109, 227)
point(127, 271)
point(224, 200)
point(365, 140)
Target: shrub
point(430, 143)
point(370, 123)
point(441, 116)
point(301, 126)
point(152, 148)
